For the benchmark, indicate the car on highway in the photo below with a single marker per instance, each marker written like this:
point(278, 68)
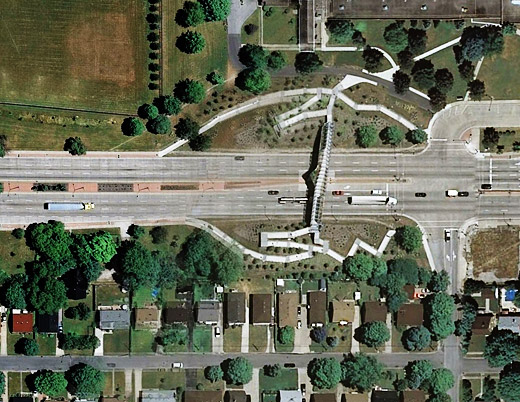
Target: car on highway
point(217, 332)
point(239, 158)
point(463, 194)
point(303, 389)
point(177, 365)
point(273, 192)
point(289, 365)
point(421, 195)
point(376, 192)
point(464, 9)
point(447, 234)
point(338, 192)
point(452, 193)
point(299, 311)
point(385, 7)
point(486, 186)
point(424, 7)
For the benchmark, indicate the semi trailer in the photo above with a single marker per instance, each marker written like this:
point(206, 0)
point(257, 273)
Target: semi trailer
point(371, 200)
point(68, 206)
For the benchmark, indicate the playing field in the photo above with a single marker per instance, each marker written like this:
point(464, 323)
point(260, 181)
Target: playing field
point(88, 55)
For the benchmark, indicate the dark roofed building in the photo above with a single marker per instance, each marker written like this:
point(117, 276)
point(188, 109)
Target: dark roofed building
point(483, 324)
point(413, 395)
point(114, 319)
point(288, 310)
point(385, 396)
point(20, 399)
point(179, 312)
point(235, 396)
point(317, 306)
point(261, 308)
point(410, 314)
point(47, 323)
point(374, 311)
point(235, 308)
point(208, 311)
point(203, 396)
point(323, 398)
point(355, 397)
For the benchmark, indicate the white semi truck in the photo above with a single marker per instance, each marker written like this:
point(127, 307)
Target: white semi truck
point(68, 206)
point(371, 200)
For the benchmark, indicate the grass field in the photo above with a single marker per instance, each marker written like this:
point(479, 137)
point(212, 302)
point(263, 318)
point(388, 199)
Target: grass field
point(13, 253)
point(258, 338)
point(281, 27)
point(202, 339)
point(47, 344)
point(142, 341)
point(117, 343)
point(232, 339)
point(506, 139)
point(163, 379)
point(340, 59)
point(179, 65)
point(254, 38)
point(446, 59)
point(287, 380)
point(81, 55)
point(16, 382)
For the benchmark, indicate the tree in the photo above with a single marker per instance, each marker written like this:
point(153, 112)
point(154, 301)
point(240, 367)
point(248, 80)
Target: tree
point(405, 268)
point(437, 99)
point(27, 347)
point(366, 136)
point(361, 371)
point(85, 381)
point(176, 334)
point(159, 234)
point(508, 28)
point(502, 347)
point(478, 42)
point(101, 246)
point(189, 91)
point(509, 382)
point(324, 373)
point(276, 60)
point(409, 238)
point(147, 111)
point(135, 231)
point(75, 146)
point(341, 31)
point(489, 390)
point(2, 383)
point(318, 334)
point(391, 286)
point(160, 125)
point(441, 380)
point(71, 341)
point(48, 295)
point(253, 56)
point(136, 266)
point(201, 142)
point(50, 383)
point(49, 240)
point(423, 73)
point(358, 39)
point(439, 308)
point(373, 334)
point(418, 372)
point(362, 267)
point(14, 292)
point(3, 145)
point(401, 82)
point(405, 59)
point(373, 59)
point(18, 233)
point(213, 373)
point(191, 15)
point(396, 37)
point(79, 312)
point(417, 40)
point(476, 89)
point(132, 126)
point(272, 370)
point(491, 137)
point(467, 392)
point(216, 10)
point(391, 135)
point(153, 18)
point(307, 63)
point(215, 78)
point(439, 281)
point(168, 105)
point(439, 398)
point(190, 42)
point(286, 335)
point(466, 70)
point(250, 29)
point(443, 80)
point(187, 128)
point(416, 338)
point(254, 80)
point(416, 136)
point(238, 371)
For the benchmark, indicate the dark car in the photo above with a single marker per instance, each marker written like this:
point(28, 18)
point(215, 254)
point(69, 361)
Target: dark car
point(239, 158)
point(463, 194)
point(422, 195)
point(273, 192)
point(289, 365)
point(486, 186)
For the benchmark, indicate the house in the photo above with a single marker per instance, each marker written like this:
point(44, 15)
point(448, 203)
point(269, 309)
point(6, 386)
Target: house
point(146, 318)
point(203, 396)
point(323, 398)
point(385, 396)
point(355, 397)
point(511, 322)
point(317, 308)
point(374, 311)
point(155, 395)
point(236, 396)
point(342, 311)
point(261, 309)
point(235, 308)
point(22, 323)
point(410, 314)
point(290, 396)
point(178, 312)
point(208, 311)
point(114, 319)
point(47, 323)
point(21, 399)
point(413, 395)
point(483, 324)
point(288, 310)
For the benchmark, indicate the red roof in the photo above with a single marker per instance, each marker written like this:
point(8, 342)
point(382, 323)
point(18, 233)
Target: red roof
point(22, 322)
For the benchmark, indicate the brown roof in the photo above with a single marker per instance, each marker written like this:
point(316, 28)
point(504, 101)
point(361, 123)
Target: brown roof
point(488, 293)
point(146, 315)
point(410, 314)
point(323, 397)
point(409, 290)
point(415, 395)
point(287, 309)
point(22, 323)
point(179, 312)
point(203, 396)
point(342, 311)
point(317, 302)
point(482, 324)
point(356, 397)
point(235, 308)
point(261, 310)
point(105, 399)
point(235, 396)
point(374, 311)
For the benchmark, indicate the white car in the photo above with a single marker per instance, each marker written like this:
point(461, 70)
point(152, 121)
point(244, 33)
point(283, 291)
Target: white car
point(217, 332)
point(299, 324)
point(177, 365)
point(452, 193)
point(376, 192)
point(424, 7)
point(385, 7)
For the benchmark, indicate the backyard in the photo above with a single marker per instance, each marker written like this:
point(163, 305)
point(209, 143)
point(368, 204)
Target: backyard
point(14, 253)
point(162, 379)
point(280, 25)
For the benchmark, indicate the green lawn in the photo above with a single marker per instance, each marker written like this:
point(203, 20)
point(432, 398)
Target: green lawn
point(142, 341)
point(179, 65)
point(13, 252)
point(281, 27)
point(287, 380)
point(202, 338)
point(117, 343)
point(114, 383)
point(176, 236)
point(16, 383)
point(446, 59)
point(47, 344)
point(203, 291)
point(163, 379)
point(388, 380)
point(208, 385)
point(143, 297)
point(254, 38)
point(257, 338)
point(79, 327)
point(232, 339)
point(110, 295)
point(340, 59)
point(344, 335)
point(476, 344)
point(506, 139)
point(12, 339)
point(281, 348)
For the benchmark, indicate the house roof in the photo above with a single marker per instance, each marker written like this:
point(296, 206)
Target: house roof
point(261, 310)
point(235, 396)
point(20, 399)
point(356, 397)
point(155, 395)
point(114, 319)
point(146, 315)
point(482, 324)
point(290, 396)
point(288, 310)
point(511, 322)
point(413, 395)
point(208, 311)
point(317, 301)
point(342, 311)
point(323, 397)
point(22, 322)
point(47, 323)
point(385, 396)
point(410, 314)
point(235, 307)
point(374, 311)
point(177, 313)
point(203, 396)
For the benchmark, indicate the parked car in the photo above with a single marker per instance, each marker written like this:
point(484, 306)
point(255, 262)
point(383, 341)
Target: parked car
point(338, 192)
point(463, 194)
point(385, 7)
point(421, 195)
point(447, 234)
point(217, 332)
point(289, 365)
point(177, 365)
point(303, 389)
point(4, 317)
point(376, 192)
point(299, 311)
point(239, 158)
point(486, 186)
point(424, 7)
point(464, 9)
point(273, 192)
point(451, 193)
point(299, 324)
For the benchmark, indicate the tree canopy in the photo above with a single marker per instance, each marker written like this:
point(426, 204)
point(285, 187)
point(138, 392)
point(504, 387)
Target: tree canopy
point(502, 347)
point(136, 266)
point(216, 10)
point(189, 91)
point(477, 89)
point(48, 295)
point(201, 142)
point(423, 73)
point(324, 373)
point(396, 36)
point(439, 308)
point(307, 62)
point(417, 136)
point(366, 136)
point(253, 56)
point(132, 126)
point(85, 381)
point(190, 42)
point(417, 39)
point(401, 82)
point(176, 334)
point(160, 125)
point(14, 292)
point(254, 80)
point(418, 372)
point(509, 383)
point(75, 146)
point(439, 281)
point(237, 371)
point(49, 240)
point(187, 128)
point(190, 15)
point(477, 42)
point(373, 59)
point(373, 334)
point(147, 111)
point(340, 30)
point(50, 383)
point(391, 135)
point(362, 267)
point(416, 338)
point(444, 80)
point(27, 347)
point(168, 104)
point(286, 335)
point(213, 373)
point(361, 371)
point(441, 381)
point(409, 238)
point(276, 60)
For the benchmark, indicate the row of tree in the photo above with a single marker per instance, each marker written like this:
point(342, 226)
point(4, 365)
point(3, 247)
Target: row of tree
point(366, 136)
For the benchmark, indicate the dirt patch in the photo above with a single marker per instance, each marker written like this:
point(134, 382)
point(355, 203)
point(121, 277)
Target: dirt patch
point(495, 251)
point(101, 49)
